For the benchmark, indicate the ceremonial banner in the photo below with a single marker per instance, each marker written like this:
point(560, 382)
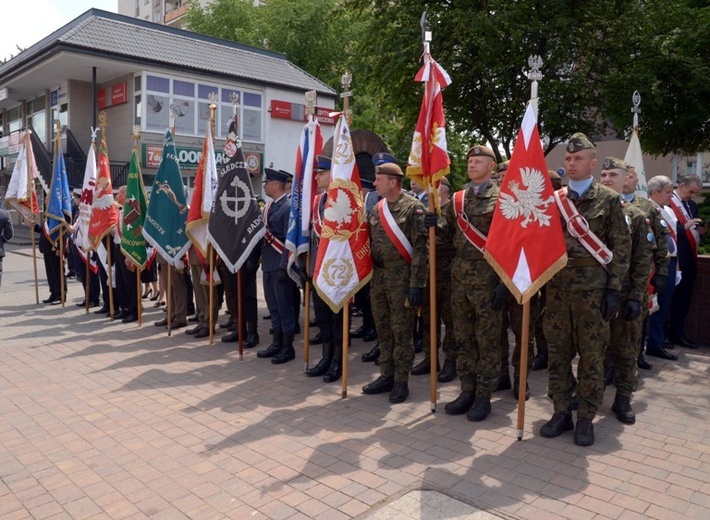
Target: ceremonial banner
point(81, 226)
point(429, 158)
point(525, 244)
point(59, 207)
point(133, 243)
point(236, 223)
point(634, 157)
point(164, 226)
point(104, 213)
point(344, 263)
point(20, 192)
point(202, 198)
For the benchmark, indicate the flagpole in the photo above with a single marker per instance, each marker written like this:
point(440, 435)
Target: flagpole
point(62, 280)
point(87, 282)
point(534, 75)
point(210, 250)
point(110, 276)
point(240, 315)
point(346, 80)
point(139, 297)
point(169, 305)
point(31, 188)
point(307, 320)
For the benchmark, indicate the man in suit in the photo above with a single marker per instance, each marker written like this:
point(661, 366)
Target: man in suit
point(689, 230)
point(6, 234)
point(278, 287)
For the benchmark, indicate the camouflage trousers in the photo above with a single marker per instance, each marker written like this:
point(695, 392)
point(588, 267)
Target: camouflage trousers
point(513, 318)
point(622, 354)
point(574, 326)
point(444, 315)
point(394, 321)
point(477, 328)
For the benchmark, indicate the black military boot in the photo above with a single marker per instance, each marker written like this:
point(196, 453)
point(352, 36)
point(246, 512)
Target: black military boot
point(461, 404)
point(252, 338)
point(560, 422)
point(448, 372)
point(584, 433)
point(642, 363)
point(272, 349)
point(504, 382)
point(322, 366)
point(287, 352)
point(334, 372)
point(373, 354)
point(379, 385)
point(622, 409)
point(399, 392)
point(480, 409)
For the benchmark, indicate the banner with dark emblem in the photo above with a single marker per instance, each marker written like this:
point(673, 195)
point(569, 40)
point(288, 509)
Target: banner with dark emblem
point(236, 223)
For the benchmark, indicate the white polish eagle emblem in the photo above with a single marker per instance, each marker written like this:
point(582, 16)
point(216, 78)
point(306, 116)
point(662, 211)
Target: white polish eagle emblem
point(526, 201)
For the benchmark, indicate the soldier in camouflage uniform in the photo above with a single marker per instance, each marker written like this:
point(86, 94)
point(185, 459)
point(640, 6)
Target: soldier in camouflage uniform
point(661, 258)
point(625, 328)
point(398, 278)
point(584, 296)
point(478, 296)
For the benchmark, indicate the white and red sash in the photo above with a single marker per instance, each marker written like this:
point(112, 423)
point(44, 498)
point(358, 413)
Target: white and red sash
point(683, 217)
point(472, 234)
point(394, 233)
point(315, 214)
point(578, 227)
point(269, 237)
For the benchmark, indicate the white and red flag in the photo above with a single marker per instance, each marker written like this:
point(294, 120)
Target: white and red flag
point(525, 244)
point(104, 213)
point(429, 157)
point(344, 263)
point(21, 193)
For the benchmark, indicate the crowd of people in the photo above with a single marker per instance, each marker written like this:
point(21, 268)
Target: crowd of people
point(624, 293)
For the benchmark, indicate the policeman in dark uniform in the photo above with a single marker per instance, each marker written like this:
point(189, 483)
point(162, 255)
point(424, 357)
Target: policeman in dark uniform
point(278, 287)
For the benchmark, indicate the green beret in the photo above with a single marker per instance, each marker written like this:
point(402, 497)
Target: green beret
point(614, 163)
point(390, 169)
point(579, 142)
point(479, 150)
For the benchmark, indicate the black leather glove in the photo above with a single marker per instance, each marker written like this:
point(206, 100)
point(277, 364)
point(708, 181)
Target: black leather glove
point(281, 276)
point(610, 304)
point(416, 297)
point(499, 297)
point(430, 219)
point(632, 310)
point(659, 282)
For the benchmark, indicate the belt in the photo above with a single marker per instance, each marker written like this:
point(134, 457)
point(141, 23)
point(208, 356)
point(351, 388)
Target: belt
point(389, 264)
point(584, 261)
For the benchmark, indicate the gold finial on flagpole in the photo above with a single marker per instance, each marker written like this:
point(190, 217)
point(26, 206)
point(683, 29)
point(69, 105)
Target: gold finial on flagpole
point(346, 80)
point(212, 96)
point(136, 135)
point(103, 121)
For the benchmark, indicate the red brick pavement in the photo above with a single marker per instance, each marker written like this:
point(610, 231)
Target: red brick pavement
point(111, 420)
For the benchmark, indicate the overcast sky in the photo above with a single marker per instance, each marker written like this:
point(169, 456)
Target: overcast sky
point(25, 22)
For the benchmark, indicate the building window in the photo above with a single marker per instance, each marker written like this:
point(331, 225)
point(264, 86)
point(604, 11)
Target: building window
point(14, 119)
point(37, 116)
point(193, 112)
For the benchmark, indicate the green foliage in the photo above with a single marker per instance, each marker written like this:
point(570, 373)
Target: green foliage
point(704, 212)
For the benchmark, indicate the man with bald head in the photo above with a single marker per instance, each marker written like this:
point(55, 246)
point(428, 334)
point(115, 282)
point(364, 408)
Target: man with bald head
point(584, 296)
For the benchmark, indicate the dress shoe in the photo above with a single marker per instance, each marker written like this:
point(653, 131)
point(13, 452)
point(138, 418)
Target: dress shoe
point(480, 409)
point(668, 345)
point(232, 337)
point(270, 351)
point(682, 341)
point(424, 367)
point(461, 404)
point(82, 304)
point(316, 340)
point(399, 392)
point(516, 390)
point(161, 323)
point(102, 310)
point(267, 317)
point(622, 409)
point(642, 363)
point(660, 352)
point(448, 373)
point(319, 368)
point(95, 304)
point(540, 362)
point(379, 385)
point(193, 319)
point(504, 383)
point(313, 323)
point(584, 432)
point(194, 330)
point(370, 335)
point(129, 318)
point(373, 355)
point(204, 332)
point(226, 325)
point(121, 314)
point(154, 298)
point(359, 333)
point(284, 355)
point(334, 372)
point(51, 299)
point(560, 422)
point(178, 324)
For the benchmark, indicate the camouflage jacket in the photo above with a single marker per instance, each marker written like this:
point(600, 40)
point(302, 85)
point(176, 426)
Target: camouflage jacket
point(479, 213)
point(601, 207)
point(635, 286)
point(659, 228)
point(408, 213)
